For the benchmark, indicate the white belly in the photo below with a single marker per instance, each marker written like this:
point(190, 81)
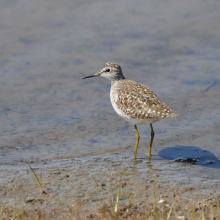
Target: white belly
point(140, 121)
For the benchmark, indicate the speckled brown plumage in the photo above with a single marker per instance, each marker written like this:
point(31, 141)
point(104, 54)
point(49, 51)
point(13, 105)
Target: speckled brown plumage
point(138, 101)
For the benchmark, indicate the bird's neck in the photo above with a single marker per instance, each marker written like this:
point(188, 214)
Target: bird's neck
point(113, 81)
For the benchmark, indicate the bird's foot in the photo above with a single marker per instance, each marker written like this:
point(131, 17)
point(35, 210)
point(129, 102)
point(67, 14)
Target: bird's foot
point(148, 154)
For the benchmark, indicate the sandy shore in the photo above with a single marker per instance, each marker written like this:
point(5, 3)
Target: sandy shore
point(93, 181)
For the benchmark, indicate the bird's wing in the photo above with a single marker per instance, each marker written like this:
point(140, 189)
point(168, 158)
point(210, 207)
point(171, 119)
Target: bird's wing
point(138, 101)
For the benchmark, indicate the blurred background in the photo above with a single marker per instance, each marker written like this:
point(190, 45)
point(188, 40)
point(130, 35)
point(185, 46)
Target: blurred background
point(47, 47)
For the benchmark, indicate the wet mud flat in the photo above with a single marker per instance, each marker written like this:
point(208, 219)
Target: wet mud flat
point(86, 184)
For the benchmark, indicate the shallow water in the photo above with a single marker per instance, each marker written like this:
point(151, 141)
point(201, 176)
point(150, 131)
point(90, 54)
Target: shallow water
point(47, 111)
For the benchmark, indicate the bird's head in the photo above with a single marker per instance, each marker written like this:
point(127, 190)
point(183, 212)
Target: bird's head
point(111, 71)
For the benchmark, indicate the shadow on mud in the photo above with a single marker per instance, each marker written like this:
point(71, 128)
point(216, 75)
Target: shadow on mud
point(190, 154)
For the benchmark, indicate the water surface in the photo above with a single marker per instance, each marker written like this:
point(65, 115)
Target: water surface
point(48, 111)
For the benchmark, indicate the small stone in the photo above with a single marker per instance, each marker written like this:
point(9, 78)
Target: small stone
point(161, 201)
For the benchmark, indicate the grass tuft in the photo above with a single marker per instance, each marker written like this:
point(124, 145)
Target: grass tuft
point(118, 196)
point(39, 181)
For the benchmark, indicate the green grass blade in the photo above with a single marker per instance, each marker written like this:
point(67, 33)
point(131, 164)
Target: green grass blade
point(36, 177)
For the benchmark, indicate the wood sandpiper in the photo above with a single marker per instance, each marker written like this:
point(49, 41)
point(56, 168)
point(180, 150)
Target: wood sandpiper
point(134, 102)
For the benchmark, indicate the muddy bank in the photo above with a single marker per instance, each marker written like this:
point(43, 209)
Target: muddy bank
point(93, 181)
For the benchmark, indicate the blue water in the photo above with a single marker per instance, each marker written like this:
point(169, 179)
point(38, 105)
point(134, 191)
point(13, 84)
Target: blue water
point(48, 111)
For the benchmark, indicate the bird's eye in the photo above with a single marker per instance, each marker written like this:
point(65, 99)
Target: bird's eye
point(108, 70)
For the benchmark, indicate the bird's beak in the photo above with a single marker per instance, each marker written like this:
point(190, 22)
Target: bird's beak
point(97, 74)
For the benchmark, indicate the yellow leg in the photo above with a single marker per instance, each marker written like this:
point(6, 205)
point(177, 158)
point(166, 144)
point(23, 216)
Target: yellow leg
point(137, 141)
point(151, 141)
